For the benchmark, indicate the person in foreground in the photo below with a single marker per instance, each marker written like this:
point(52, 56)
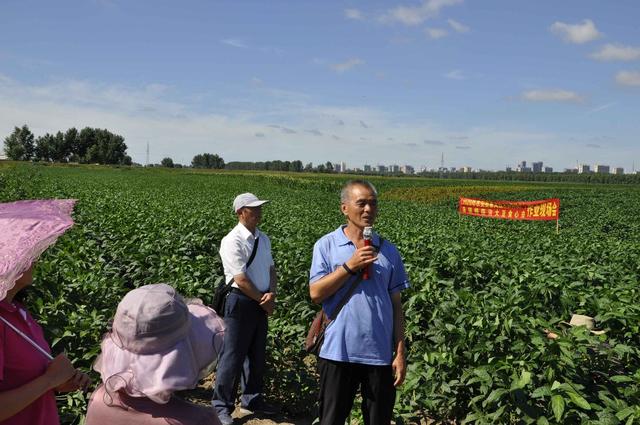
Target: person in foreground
point(29, 376)
point(364, 345)
point(159, 344)
point(248, 304)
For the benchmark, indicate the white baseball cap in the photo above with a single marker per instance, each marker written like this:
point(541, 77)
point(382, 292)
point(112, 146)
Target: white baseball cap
point(247, 200)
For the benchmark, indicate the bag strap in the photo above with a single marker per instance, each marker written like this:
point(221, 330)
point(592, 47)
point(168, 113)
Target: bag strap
point(355, 283)
point(251, 257)
point(253, 252)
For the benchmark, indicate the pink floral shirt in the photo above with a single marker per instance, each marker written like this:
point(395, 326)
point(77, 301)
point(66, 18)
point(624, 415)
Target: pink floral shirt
point(21, 363)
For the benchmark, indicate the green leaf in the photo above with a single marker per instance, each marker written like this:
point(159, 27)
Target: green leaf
point(542, 391)
point(525, 378)
point(625, 412)
point(494, 395)
point(557, 405)
point(542, 421)
point(621, 378)
point(578, 400)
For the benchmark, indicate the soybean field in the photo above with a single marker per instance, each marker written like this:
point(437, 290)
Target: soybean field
point(483, 291)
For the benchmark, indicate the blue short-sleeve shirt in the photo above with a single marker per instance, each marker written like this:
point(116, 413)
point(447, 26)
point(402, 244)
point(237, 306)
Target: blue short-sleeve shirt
point(363, 330)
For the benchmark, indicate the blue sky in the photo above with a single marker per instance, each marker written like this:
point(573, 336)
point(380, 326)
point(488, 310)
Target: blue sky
point(486, 83)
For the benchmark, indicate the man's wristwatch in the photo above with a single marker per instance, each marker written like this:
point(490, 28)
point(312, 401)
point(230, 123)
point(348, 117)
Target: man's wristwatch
point(351, 272)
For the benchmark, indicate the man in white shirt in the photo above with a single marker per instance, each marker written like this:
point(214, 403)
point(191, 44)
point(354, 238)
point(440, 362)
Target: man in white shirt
point(248, 304)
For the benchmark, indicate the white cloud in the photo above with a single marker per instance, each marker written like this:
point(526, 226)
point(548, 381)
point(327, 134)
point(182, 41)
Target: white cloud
point(353, 14)
point(616, 52)
point(552, 95)
point(416, 15)
point(576, 33)
point(435, 33)
point(234, 42)
point(455, 74)
point(628, 78)
point(457, 26)
point(346, 66)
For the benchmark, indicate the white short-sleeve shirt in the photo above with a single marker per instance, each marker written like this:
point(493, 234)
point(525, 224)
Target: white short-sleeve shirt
point(235, 250)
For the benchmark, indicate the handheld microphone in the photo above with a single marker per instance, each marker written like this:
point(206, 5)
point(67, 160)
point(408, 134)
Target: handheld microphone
point(367, 234)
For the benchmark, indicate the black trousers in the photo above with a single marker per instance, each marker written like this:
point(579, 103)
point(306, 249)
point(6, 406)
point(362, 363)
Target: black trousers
point(242, 358)
point(339, 383)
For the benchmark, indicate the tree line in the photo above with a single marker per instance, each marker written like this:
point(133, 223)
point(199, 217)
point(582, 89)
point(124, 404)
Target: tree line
point(89, 145)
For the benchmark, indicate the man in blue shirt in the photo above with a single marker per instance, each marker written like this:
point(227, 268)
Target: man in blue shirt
point(364, 346)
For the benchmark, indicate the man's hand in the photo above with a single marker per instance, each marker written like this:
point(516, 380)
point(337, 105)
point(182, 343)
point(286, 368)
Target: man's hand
point(399, 367)
point(362, 257)
point(79, 381)
point(268, 302)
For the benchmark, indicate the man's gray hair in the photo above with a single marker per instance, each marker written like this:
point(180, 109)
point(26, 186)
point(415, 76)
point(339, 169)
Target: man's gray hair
point(346, 189)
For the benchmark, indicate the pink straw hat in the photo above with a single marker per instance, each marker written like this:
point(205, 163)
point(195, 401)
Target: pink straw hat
point(159, 344)
point(27, 228)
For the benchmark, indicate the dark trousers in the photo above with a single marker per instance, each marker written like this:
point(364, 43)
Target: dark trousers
point(339, 382)
point(243, 353)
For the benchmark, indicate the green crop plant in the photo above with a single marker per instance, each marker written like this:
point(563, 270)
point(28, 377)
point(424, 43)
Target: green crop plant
point(483, 291)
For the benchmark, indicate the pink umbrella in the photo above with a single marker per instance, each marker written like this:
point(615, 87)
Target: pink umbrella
point(27, 228)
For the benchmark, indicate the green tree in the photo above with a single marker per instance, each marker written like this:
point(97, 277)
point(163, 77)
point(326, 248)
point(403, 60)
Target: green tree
point(45, 146)
point(101, 147)
point(19, 146)
point(207, 160)
point(167, 162)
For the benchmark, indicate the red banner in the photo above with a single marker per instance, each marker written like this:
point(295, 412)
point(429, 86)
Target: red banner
point(546, 209)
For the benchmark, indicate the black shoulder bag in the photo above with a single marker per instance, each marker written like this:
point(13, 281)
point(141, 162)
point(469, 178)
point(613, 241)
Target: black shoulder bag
point(222, 290)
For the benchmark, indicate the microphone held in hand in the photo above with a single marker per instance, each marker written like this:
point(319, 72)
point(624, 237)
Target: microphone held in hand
point(367, 235)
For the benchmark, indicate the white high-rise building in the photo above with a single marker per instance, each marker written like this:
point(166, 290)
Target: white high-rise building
point(407, 169)
point(584, 169)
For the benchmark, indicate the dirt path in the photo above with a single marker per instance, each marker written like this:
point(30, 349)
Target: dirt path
point(202, 395)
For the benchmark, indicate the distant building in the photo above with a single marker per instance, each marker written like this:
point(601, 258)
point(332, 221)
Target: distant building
point(343, 166)
point(508, 169)
point(537, 167)
point(467, 169)
point(548, 169)
point(407, 169)
point(337, 167)
point(521, 167)
point(601, 169)
point(619, 170)
point(584, 169)
point(570, 170)
point(452, 169)
point(367, 168)
point(381, 168)
point(394, 168)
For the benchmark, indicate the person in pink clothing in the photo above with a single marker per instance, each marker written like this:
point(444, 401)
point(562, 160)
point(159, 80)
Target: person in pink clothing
point(29, 376)
point(159, 343)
